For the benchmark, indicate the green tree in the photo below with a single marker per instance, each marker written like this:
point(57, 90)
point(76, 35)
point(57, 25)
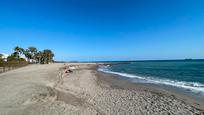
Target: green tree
point(18, 51)
point(1, 55)
point(12, 57)
point(47, 56)
point(44, 57)
point(39, 56)
point(27, 55)
point(21, 51)
point(33, 52)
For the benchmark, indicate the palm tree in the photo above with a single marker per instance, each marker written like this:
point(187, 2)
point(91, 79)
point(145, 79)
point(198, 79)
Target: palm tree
point(47, 56)
point(52, 55)
point(1, 55)
point(21, 51)
point(33, 52)
point(39, 56)
point(18, 51)
point(27, 55)
point(16, 55)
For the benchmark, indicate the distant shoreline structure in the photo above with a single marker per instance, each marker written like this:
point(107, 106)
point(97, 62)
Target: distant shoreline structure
point(127, 61)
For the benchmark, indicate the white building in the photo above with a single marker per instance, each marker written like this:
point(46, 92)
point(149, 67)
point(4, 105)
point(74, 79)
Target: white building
point(5, 56)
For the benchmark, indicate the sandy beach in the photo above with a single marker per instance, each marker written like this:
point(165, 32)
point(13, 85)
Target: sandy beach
point(51, 90)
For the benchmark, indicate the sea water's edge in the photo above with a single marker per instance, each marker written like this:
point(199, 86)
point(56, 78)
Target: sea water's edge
point(123, 83)
point(194, 90)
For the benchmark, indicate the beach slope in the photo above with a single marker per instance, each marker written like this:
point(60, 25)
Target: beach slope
point(53, 90)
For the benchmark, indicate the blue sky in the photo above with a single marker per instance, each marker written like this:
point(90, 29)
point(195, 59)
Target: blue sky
point(90, 30)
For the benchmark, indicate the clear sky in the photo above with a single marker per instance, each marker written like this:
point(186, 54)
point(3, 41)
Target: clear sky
point(90, 30)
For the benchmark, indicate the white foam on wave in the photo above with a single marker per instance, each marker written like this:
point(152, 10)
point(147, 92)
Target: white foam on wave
point(193, 86)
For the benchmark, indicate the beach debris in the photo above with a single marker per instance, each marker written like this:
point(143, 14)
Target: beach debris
point(72, 67)
point(68, 71)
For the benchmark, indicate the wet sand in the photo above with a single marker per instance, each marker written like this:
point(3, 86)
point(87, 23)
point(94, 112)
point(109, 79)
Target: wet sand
point(119, 82)
point(50, 90)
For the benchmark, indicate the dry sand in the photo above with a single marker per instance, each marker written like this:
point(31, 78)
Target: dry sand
point(48, 90)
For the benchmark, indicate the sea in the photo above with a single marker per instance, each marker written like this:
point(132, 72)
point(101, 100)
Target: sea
point(186, 76)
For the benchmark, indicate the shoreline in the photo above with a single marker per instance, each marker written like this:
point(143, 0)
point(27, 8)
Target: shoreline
point(158, 85)
point(117, 81)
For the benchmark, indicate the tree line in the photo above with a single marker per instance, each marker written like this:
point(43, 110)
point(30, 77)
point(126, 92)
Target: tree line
point(32, 55)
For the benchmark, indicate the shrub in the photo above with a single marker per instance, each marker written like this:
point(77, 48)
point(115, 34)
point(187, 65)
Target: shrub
point(13, 63)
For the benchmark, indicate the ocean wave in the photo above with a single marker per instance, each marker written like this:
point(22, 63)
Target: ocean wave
point(193, 86)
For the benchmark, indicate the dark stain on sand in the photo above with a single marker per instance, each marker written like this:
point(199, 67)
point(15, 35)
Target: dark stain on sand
point(70, 99)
